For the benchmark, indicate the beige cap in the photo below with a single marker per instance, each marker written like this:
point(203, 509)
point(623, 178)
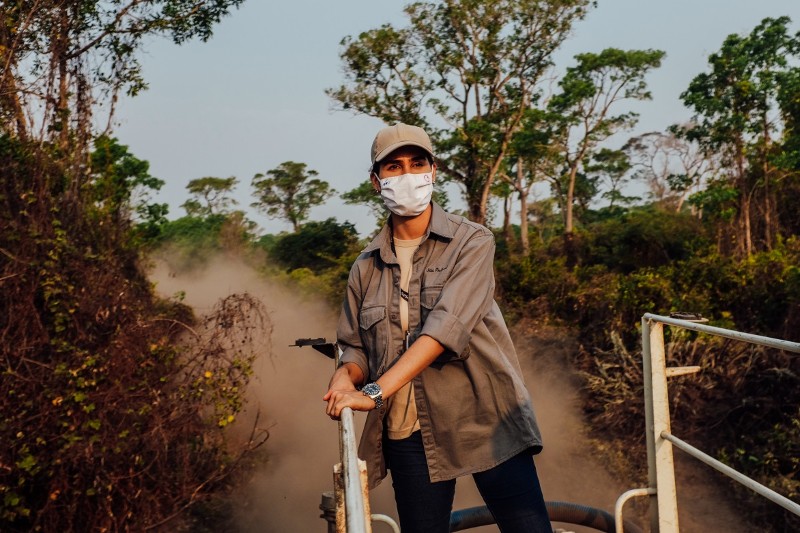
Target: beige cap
point(391, 138)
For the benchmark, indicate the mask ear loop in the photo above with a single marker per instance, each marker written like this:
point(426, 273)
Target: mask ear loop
point(377, 179)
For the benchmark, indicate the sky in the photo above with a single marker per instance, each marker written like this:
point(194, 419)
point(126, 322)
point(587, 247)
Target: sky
point(253, 96)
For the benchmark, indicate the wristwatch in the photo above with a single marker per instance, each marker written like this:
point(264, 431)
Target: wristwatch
point(373, 390)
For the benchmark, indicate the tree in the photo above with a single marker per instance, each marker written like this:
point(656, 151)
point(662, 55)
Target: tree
point(290, 192)
point(614, 166)
point(736, 114)
point(211, 196)
point(788, 162)
point(60, 60)
point(535, 157)
point(107, 423)
point(466, 71)
point(316, 245)
point(671, 166)
point(122, 183)
point(589, 90)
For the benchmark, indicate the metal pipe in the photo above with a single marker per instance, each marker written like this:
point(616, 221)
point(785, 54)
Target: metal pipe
point(665, 467)
point(751, 484)
point(386, 520)
point(727, 333)
point(647, 377)
point(356, 516)
point(659, 438)
point(619, 526)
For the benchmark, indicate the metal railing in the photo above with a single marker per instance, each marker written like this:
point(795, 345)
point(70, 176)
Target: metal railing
point(660, 440)
point(350, 481)
point(346, 509)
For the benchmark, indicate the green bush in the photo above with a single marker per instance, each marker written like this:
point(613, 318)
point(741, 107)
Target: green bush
point(643, 237)
point(316, 245)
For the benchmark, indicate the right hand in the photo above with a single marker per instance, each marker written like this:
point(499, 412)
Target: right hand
point(338, 400)
point(341, 382)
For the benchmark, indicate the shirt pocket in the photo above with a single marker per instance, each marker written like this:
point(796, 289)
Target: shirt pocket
point(374, 336)
point(428, 298)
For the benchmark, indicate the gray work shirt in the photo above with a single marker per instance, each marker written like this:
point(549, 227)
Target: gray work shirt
point(473, 408)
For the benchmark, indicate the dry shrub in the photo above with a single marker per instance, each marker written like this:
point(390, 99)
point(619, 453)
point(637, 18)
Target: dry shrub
point(741, 407)
point(107, 424)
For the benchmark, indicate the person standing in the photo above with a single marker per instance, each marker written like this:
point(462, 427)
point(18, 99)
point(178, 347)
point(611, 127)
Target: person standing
point(426, 351)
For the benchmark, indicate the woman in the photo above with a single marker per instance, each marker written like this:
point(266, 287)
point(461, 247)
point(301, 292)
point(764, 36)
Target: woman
point(426, 351)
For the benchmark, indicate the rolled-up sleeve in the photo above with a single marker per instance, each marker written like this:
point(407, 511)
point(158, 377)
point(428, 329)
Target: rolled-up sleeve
point(347, 332)
point(466, 296)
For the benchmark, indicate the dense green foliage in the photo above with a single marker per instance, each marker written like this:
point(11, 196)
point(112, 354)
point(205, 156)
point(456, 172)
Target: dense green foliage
point(743, 405)
point(316, 246)
point(106, 423)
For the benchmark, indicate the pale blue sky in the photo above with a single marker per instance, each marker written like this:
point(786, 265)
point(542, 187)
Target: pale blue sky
point(253, 96)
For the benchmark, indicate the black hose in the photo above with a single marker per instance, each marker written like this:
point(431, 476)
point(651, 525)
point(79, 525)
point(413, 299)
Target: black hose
point(565, 512)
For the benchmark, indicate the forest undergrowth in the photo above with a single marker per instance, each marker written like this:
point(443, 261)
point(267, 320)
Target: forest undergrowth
point(114, 402)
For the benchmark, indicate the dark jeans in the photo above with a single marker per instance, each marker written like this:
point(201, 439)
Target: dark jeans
point(511, 491)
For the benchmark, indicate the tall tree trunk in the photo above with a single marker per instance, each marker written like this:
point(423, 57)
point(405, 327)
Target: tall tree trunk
point(748, 235)
point(681, 200)
point(495, 168)
point(523, 206)
point(769, 224)
point(62, 102)
point(509, 235)
point(568, 204)
point(485, 190)
point(476, 209)
point(523, 223)
point(10, 104)
point(770, 229)
point(744, 236)
point(569, 237)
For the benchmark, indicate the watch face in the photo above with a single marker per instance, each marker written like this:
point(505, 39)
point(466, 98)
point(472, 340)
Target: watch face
point(373, 390)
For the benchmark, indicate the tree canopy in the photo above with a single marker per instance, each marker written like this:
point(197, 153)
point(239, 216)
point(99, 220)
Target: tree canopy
point(289, 191)
point(466, 71)
point(741, 112)
point(210, 196)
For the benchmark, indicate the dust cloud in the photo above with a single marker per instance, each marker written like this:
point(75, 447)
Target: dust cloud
point(284, 492)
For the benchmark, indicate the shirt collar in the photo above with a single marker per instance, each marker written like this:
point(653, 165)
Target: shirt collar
point(439, 226)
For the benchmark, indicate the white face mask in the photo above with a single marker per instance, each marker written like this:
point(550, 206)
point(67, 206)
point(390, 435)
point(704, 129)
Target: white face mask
point(407, 195)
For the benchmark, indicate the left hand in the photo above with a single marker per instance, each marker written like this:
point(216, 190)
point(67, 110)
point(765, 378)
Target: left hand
point(339, 399)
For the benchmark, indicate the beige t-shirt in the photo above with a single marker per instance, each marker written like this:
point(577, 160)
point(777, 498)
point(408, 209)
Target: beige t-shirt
point(401, 415)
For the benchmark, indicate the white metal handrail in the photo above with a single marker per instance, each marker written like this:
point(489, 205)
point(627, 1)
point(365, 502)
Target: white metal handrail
point(766, 492)
point(356, 504)
point(661, 471)
point(780, 344)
